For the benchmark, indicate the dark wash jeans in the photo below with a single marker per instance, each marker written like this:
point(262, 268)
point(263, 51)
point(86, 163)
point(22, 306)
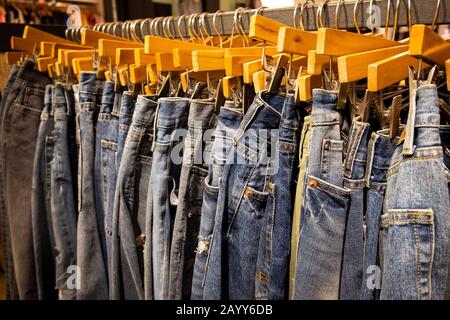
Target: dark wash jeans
point(20, 125)
point(41, 219)
point(354, 173)
point(274, 244)
point(63, 195)
point(128, 243)
point(232, 265)
point(197, 150)
point(228, 123)
point(415, 222)
point(379, 154)
point(162, 200)
point(325, 206)
point(8, 266)
point(90, 258)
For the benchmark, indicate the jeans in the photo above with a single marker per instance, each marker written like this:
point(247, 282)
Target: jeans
point(162, 200)
point(105, 146)
point(303, 157)
point(41, 219)
point(63, 203)
point(90, 259)
point(130, 202)
point(354, 173)
point(197, 150)
point(325, 206)
point(274, 245)
point(380, 151)
point(20, 125)
point(228, 123)
point(445, 138)
point(127, 105)
point(231, 268)
point(415, 221)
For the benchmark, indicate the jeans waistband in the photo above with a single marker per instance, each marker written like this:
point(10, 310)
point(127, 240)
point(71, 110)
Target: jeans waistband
point(355, 160)
point(61, 105)
point(324, 108)
point(127, 104)
point(201, 113)
point(145, 110)
point(173, 112)
point(27, 73)
point(422, 128)
point(379, 154)
point(107, 97)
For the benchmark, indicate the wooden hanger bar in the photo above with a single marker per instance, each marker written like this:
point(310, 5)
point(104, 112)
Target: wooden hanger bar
point(56, 46)
point(259, 81)
point(316, 62)
point(355, 66)
point(338, 43)
point(82, 65)
point(183, 58)
point(306, 84)
point(164, 62)
point(296, 41)
point(228, 84)
point(208, 60)
point(107, 48)
point(152, 73)
point(70, 55)
point(43, 63)
point(138, 74)
point(265, 29)
point(234, 64)
point(13, 57)
point(157, 44)
point(125, 56)
point(389, 71)
point(91, 38)
point(427, 44)
point(142, 59)
point(22, 44)
point(38, 36)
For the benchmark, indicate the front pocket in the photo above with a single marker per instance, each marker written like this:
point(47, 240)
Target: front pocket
point(408, 251)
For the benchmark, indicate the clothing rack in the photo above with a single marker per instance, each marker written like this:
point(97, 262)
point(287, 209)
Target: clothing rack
point(422, 12)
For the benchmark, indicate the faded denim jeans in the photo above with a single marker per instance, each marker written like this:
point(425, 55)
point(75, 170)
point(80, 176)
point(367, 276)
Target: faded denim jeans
point(162, 199)
point(232, 265)
point(228, 122)
point(325, 207)
point(415, 222)
point(197, 150)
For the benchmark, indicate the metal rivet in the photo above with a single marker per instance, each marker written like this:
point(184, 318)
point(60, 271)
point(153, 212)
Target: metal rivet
point(312, 183)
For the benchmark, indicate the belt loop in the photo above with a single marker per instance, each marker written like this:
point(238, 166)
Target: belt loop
point(370, 157)
point(408, 146)
point(155, 129)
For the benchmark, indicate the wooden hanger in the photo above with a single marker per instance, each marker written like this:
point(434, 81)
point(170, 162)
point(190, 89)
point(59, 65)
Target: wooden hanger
point(107, 48)
point(263, 28)
point(12, 57)
point(82, 65)
point(354, 67)
point(39, 36)
point(447, 71)
point(26, 45)
point(143, 59)
point(428, 45)
point(296, 41)
point(91, 38)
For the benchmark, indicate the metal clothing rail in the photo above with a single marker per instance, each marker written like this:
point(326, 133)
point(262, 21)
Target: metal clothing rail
point(422, 12)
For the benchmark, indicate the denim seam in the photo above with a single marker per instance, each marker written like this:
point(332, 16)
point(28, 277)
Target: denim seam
point(354, 147)
point(395, 168)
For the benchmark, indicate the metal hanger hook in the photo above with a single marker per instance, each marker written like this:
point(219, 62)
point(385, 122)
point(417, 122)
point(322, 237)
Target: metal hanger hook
point(337, 14)
point(180, 19)
point(355, 16)
point(216, 30)
point(436, 14)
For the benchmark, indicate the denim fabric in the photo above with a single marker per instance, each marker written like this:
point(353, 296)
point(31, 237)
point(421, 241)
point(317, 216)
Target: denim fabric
point(162, 200)
point(228, 122)
point(20, 126)
point(8, 266)
point(43, 235)
point(104, 130)
point(63, 203)
point(127, 105)
point(325, 206)
point(274, 245)
point(130, 201)
point(354, 173)
point(197, 150)
point(231, 269)
point(415, 221)
point(92, 269)
point(303, 160)
point(380, 151)
point(445, 138)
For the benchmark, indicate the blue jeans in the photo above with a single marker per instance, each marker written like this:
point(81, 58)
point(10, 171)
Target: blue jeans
point(415, 222)
point(162, 200)
point(231, 268)
point(274, 244)
point(379, 154)
point(354, 173)
point(41, 219)
point(325, 206)
point(228, 123)
point(90, 258)
point(445, 138)
point(106, 128)
point(197, 150)
point(19, 130)
point(63, 203)
point(130, 204)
